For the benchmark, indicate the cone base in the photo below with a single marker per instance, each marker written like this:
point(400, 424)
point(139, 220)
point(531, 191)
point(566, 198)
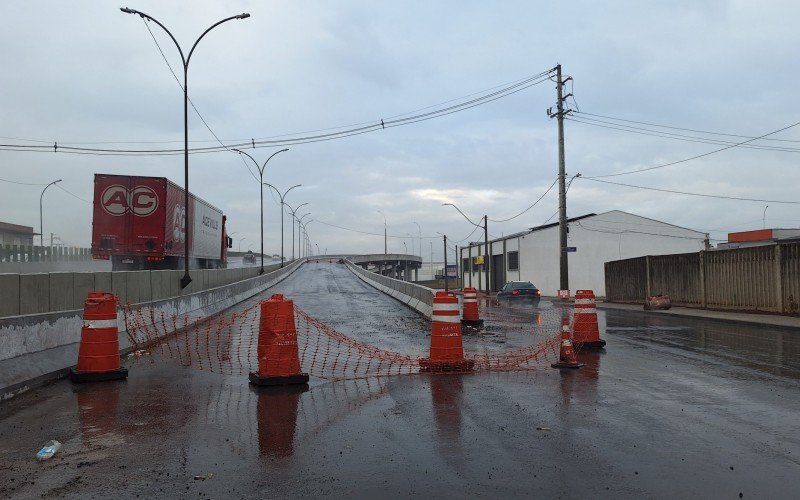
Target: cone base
point(472, 323)
point(279, 389)
point(81, 377)
point(300, 378)
point(590, 346)
point(562, 364)
point(462, 365)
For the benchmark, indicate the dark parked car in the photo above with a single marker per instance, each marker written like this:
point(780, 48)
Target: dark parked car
point(522, 291)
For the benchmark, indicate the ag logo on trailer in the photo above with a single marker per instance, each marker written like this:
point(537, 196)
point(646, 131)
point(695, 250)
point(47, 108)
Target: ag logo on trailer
point(118, 200)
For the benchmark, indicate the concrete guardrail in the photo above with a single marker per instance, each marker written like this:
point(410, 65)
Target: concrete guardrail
point(418, 297)
point(38, 348)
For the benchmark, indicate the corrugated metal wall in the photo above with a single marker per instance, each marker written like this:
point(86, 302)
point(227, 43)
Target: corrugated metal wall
point(765, 278)
point(743, 278)
point(626, 280)
point(790, 274)
point(677, 276)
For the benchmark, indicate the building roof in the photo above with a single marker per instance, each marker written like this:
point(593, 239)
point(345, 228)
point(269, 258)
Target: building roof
point(16, 228)
point(570, 220)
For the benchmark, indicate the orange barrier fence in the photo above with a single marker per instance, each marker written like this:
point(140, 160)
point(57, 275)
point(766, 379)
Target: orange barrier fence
point(228, 343)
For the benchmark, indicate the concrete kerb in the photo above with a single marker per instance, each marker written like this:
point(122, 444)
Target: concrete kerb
point(58, 333)
point(418, 297)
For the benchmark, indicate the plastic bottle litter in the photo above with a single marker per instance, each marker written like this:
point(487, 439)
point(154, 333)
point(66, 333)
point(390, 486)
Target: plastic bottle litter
point(48, 450)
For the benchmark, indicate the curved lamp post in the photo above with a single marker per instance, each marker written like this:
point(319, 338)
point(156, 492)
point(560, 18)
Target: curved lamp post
point(261, 186)
point(419, 231)
point(299, 221)
point(305, 228)
point(185, 59)
point(41, 223)
point(486, 256)
point(282, 196)
point(294, 216)
point(240, 242)
point(385, 245)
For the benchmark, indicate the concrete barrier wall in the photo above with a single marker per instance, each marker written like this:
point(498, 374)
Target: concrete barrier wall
point(39, 293)
point(418, 297)
point(38, 347)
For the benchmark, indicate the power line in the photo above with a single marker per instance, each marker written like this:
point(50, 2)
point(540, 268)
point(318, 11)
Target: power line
point(73, 194)
point(595, 177)
point(626, 231)
point(530, 207)
point(682, 128)
point(693, 194)
point(674, 136)
point(373, 127)
point(24, 183)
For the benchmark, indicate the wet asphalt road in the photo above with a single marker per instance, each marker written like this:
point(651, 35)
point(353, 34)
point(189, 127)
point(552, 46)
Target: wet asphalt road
point(674, 408)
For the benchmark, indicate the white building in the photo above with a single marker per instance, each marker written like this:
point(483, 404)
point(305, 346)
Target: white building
point(533, 255)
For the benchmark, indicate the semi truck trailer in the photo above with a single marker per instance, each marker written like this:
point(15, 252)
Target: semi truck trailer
point(139, 223)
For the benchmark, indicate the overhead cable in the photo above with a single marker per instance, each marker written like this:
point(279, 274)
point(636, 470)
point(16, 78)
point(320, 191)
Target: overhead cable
point(737, 198)
point(372, 127)
point(674, 136)
point(530, 207)
point(594, 177)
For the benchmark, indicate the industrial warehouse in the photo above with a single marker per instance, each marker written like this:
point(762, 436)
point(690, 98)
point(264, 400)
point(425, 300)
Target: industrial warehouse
point(593, 240)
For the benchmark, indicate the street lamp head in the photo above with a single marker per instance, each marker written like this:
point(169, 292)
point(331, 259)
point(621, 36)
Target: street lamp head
point(243, 16)
point(127, 10)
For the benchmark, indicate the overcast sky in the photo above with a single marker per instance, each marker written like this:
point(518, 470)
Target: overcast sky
point(84, 72)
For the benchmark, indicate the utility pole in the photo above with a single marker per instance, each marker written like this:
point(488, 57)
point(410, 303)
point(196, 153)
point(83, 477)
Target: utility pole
point(562, 193)
point(486, 256)
point(444, 237)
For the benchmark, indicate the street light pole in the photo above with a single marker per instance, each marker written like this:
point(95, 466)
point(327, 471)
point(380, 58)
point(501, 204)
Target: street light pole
point(187, 230)
point(294, 216)
point(282, 196)
point(419, 231)
point(486, 255)
point(240, 242)
point(261, 170)
point(41, 219)
point(298, 229)
point(385, 245)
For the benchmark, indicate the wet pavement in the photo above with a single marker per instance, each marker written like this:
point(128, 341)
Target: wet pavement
point(676, 407)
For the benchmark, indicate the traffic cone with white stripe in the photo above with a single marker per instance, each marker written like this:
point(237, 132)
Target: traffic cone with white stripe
point(566, 355)
point(471, 316)
point(447, 350)
point(98, 355)
point(586, 332)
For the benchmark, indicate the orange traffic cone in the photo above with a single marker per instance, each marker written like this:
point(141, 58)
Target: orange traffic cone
point(447, 351)
point(566, 356)
point(278, 359)
point(98, 355)
point(586, 333)
point(471, 316)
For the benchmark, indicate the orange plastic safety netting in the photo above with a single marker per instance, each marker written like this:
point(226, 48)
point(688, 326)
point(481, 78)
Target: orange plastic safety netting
point(227, 343)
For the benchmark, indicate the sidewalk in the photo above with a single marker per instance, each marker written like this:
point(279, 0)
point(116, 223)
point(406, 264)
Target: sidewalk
point(740, 317)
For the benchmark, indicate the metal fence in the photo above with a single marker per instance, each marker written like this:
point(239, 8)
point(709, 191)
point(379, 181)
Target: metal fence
point(764, 278)
point(33, 253)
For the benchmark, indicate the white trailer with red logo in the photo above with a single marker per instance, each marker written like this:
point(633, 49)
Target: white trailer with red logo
point(139, 223)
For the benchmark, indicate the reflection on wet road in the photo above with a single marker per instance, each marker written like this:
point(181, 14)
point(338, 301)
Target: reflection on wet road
point(674, 408)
